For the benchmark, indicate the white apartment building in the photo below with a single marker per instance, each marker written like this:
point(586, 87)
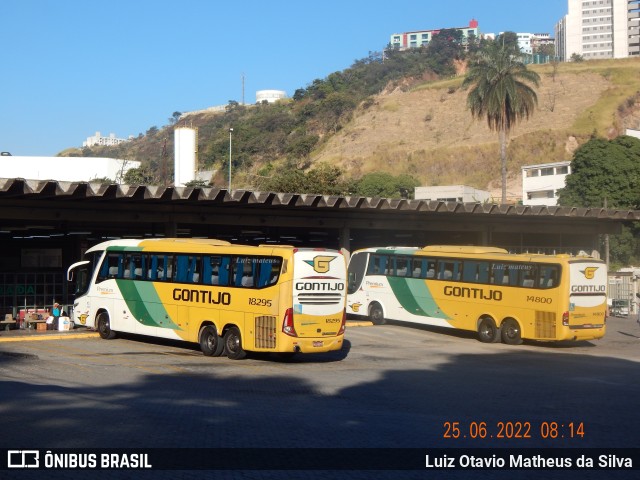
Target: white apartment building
point(98, 139)
point(540, 183)
point(527, 42)
point(599, 29)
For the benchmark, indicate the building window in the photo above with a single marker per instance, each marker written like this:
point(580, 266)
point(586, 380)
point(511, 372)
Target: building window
point(533, 173)
point(562, 170)
point(546, 171)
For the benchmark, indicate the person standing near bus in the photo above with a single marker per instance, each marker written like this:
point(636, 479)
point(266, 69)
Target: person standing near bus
point(56, 315)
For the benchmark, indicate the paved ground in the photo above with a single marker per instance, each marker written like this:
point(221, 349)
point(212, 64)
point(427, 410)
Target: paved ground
point(391, 387)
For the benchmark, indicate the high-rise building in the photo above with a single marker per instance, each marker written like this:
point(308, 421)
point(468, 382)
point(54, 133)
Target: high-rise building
point(420, 38)
point(598, 29)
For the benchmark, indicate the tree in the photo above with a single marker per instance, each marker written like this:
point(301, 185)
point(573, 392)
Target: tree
point(509, 40)
point(604, 170)
point(381, 184)
point(174, 118)
point(445, 47)
point(607, 173)
point(501, 93)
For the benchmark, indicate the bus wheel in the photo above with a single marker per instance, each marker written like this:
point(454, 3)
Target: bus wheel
point(104, 327)
point(487, 331)
point(210, 343)
point(510, 332)
point(233, 344)
point(376, 315)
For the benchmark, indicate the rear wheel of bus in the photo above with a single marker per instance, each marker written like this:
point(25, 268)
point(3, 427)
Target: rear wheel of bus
point(233, 344)
point(510, 332)
point(487, 331)
point(210, 343)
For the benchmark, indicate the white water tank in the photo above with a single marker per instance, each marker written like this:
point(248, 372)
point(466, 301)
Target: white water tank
point(185, 156)
point(270, 95)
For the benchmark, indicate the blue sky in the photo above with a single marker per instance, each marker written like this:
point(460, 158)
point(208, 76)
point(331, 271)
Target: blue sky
point(70, 68)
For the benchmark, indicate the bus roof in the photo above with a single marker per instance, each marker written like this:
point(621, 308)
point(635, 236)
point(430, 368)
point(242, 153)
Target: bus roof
point(479, 251)
point(462, 249)
point(185, 245)
point(156, 243)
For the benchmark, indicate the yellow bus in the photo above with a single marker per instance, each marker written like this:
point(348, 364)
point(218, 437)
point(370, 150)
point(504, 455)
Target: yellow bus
point(230, 299)
point(501, 296)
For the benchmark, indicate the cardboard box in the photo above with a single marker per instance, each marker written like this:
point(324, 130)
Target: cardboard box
point(41, 326)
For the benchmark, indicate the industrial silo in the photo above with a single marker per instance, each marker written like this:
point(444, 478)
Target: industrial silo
point(186, 155)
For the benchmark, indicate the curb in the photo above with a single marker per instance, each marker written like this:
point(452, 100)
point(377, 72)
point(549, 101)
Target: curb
point(36, 337)
point(362, 323)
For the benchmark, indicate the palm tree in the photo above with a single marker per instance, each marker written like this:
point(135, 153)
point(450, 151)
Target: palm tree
point(501, 93)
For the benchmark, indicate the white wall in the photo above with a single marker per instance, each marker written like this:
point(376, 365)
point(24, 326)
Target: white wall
point(456, 193)
point(542, 189)
point(185, 156)
point(71, 169)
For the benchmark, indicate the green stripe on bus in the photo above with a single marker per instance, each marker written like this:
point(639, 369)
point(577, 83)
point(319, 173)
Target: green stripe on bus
point(151, 311)
point(415, 297)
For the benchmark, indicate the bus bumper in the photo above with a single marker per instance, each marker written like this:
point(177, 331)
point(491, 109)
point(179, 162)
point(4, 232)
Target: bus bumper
point(312, 345)
point(584, 333)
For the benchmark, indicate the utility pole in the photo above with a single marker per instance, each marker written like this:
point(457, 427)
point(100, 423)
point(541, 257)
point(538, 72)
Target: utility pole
point(230, 132)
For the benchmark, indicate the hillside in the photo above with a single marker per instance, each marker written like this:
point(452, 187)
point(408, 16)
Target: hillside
point(419, 127)
point(428, 131)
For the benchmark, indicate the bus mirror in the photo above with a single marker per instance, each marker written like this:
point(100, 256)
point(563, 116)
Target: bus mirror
point(70, 276)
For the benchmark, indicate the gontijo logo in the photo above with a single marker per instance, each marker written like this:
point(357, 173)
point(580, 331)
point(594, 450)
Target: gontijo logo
point(589, 272)
point(320, 263)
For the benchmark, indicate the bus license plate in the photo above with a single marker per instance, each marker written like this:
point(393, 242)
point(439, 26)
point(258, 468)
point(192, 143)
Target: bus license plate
point(318, 344)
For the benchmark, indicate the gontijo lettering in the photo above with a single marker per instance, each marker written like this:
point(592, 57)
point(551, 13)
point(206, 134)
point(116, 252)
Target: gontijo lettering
point(478, 293)
point(320, 286)
point(201, 296)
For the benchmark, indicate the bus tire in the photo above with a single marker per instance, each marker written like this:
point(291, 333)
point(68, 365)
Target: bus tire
point(210, 343)
point(376, 314)
point(233, 344)
point(510, 332)
point(487, 331)
point(104, 326)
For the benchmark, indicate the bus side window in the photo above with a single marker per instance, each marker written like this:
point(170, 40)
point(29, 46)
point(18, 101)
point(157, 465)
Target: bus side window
point(418, 269)
point(267, 271)
point(402, 267)
point(498, 274)
point(152, 273)
point(470, 271)
point(431, 269)
point(193, 272)
point(109, 267)
point(165, 268)
point(512, 279)
point(223, 270)
point(548, 276)
point(449, 270)
point(378, 265)
point(528, 276)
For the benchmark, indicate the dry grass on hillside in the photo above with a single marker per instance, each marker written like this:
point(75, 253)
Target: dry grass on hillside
point(429, 132)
